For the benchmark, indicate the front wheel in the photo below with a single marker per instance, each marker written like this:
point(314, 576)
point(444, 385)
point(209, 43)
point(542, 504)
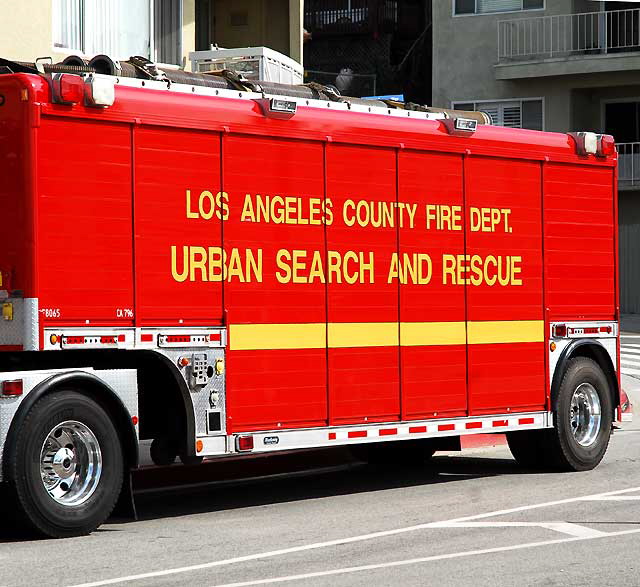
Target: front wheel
point(67, 467)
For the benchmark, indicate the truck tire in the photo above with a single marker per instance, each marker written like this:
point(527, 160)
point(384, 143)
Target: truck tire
point(66, 469)
point(583, 414)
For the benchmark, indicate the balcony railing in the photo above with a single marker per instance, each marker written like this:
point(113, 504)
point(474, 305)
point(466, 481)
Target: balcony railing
point(350, 16)
point(628, 165)
point(545, 37)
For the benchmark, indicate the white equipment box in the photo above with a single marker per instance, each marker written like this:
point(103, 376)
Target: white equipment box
point(255, 63)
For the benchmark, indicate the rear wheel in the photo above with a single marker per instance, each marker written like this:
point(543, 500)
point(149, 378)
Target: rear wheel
point(67, 467)
point(583, 414)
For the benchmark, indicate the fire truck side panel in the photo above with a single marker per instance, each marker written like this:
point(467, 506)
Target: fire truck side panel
point(17, 190)
point(178, 221)
point(85, 255)
point(432, 314)
point(505, 308)
point(580, 253)
point(363, 332)
point(278, 358)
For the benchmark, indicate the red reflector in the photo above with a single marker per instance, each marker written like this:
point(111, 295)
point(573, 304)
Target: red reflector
point(606, 329)
point(134, 420)
point(560, 330)
point(245, 443)
point(498, 423)
point(121, 337)
point(73, 340)
point(524, 421)
point(606, 146)
point(12, 388)
point(178, 338)
point(417, 429)
point(332, 435)
point(387, 432)
point(470, 425)
point(445, 427)
point(357, 434)
point(107, 340)
point(214, 337)
point(146, 338)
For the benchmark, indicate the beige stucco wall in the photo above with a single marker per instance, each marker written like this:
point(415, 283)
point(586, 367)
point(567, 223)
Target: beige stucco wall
point(26, 30)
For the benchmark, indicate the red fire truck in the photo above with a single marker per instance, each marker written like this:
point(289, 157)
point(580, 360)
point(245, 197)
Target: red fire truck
point(229, 269)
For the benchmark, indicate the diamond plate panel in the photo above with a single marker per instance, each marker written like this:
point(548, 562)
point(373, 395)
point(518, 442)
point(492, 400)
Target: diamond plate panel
point(202, 386)
point(23, 329)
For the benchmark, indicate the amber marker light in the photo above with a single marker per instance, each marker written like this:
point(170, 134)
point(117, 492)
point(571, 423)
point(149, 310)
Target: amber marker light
point(552, 346)
point(54, 339)
point(184, 362)
point(199, 446)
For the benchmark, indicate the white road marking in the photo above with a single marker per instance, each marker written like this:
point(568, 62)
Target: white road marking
point(625, 350)
point(613, 498)
point(425, 559)
point(563, 527)
point(349, 540)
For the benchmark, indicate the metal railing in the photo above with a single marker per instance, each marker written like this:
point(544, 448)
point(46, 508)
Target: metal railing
point(544, 37)
point(349, 16)
point(628, 165)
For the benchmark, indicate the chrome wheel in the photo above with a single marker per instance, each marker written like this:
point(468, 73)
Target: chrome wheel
point(586, 414)
point(70, 463)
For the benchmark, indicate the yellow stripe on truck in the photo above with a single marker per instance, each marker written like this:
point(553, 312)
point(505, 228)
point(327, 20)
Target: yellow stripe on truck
point(244, 337)
point(432, 333)
point(252, 337)
point(505, 331)
point(362, 334)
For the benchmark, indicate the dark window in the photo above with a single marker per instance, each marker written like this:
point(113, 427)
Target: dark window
point(532, 4)
point(532, 114)
point(465, 6)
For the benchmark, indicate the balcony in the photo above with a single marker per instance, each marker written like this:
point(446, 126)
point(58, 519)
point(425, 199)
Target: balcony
point(350, 17)
point(569, 44)
point(628, 166)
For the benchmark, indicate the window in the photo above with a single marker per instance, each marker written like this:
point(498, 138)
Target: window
point(490, 6)
point(512, 113)
point(119, 28)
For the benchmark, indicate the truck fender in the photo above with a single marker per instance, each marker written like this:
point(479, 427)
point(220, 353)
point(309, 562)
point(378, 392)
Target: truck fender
point(588, 347)
point(103, 392)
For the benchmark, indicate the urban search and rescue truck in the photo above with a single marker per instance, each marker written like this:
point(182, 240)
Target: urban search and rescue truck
point(225, 271)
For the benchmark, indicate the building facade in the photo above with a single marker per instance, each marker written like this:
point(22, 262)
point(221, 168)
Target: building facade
point(556, 65)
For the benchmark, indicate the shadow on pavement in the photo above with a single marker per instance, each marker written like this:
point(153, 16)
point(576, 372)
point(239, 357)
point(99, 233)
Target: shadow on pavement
point(346, 478)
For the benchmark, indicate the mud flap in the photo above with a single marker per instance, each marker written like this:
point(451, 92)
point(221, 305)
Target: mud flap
point(126, 505)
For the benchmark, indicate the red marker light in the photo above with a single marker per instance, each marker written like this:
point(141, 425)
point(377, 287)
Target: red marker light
point(245, 443)
point(560, 330)
point(606, 146)
point(67, 88)
point(12, 388)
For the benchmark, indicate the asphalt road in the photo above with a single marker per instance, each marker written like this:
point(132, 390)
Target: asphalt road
point(473, 518)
